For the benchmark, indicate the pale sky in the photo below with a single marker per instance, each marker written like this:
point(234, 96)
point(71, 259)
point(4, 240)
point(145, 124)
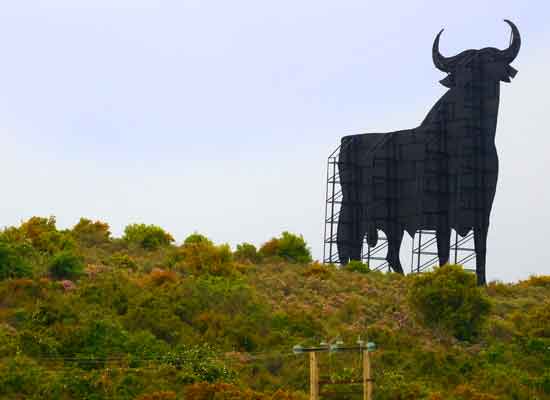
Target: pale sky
point(217, 116)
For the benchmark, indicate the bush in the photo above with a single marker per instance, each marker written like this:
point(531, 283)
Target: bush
point(149, 237)
point(12, 264)
point(123, 260)
point(449, 298)
point(247, 252)
point(321, 271)
point(43, 235)
point(537, 280)
point(536, 322)
point(91, 233)
point(66, 265)
point(496, 288)
point(197, 238)
point(291, 247)
point(204, 257)
point(357, 266)
point(19, 377)
point(159, 276)
point(35, 227)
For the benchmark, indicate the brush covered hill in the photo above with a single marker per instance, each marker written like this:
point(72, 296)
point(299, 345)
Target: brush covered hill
point(87, 316)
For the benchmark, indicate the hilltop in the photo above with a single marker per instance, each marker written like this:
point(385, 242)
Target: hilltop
point(87, 316)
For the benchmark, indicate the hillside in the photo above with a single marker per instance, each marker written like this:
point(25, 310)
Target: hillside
point(87, 316)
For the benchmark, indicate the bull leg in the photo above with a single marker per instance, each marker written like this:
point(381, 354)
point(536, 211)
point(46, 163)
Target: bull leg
point(394, 245)
point(356, 246)
point(372, 235)
point(443, 245)
point(349, 234)
point(480, 240)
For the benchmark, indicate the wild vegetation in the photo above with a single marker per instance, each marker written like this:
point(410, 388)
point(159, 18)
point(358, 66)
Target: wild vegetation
point(84, 315)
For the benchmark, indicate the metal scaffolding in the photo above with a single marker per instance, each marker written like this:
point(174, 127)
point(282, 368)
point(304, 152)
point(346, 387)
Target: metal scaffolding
point(424, 251)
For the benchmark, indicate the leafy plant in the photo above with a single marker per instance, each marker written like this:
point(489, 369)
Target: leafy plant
point(123, 260)
point(536, 322)
point(316, 269)
point(197, 238)
point(159, 276)
point(12, 264)
point(357, 266)
point(66, 265)
point(537, 280)
point(448, 297)
point(43, 235)
point(149, 237)
point(289, 246)
point(200, 257)
point(247, 252)
point(90, 232)
point(35, 227)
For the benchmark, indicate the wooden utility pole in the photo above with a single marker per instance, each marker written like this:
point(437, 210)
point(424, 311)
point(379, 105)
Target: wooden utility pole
point(367, 381)
point(313, 376)
point(314, 381)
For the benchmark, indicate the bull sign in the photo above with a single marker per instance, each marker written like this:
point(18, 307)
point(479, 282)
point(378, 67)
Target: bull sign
point(439, 176)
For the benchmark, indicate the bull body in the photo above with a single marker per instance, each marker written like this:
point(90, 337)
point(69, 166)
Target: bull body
point(441, 175)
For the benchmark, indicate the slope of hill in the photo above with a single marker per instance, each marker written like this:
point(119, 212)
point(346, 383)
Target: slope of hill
point(85, 316)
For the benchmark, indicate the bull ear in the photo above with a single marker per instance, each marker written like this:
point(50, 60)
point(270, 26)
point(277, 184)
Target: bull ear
point(501, 71)
point(449, 81)
point(509, 72)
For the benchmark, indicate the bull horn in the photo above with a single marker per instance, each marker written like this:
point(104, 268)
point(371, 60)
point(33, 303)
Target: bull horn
point(512, 51)
point(442, 63)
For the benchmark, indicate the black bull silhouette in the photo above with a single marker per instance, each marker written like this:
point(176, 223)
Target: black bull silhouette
point(441, 175)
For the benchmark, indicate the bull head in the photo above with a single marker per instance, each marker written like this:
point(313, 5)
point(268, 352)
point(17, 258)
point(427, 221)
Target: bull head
point(494, 63)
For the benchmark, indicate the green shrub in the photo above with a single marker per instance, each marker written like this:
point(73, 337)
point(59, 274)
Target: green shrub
point(198, 363)
point(197, 238)
point(11, 234)
point(537, 280)
point(357, 266)
point(123, 260)
point(43, 235)
point(90, 232)
point(35, 227)
point(12, 264)
point(149, 237)
point(543, 383)
point(247, 252)
point(290, 247)
point(321, 271)
point(66, 265)
point(53, 242)
point(536, 321)
point(19, 377)
point(198, 257)
point(449, 298)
